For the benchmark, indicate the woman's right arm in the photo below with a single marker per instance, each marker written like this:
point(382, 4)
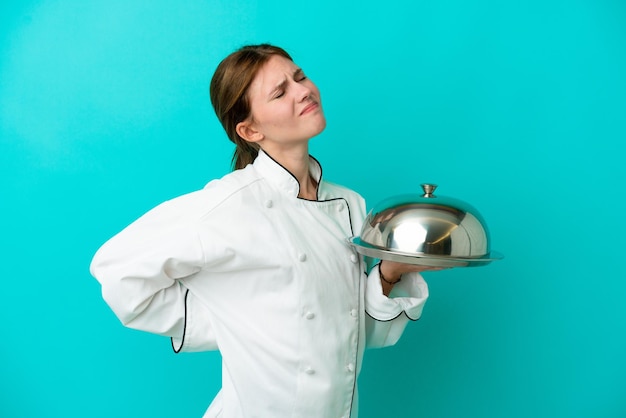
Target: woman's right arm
point(138, 271)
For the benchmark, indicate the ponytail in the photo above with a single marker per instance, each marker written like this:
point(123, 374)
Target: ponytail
point(245, 153)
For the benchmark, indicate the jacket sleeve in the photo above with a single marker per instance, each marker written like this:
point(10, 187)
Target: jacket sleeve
point(139, 269)
point(386, 317)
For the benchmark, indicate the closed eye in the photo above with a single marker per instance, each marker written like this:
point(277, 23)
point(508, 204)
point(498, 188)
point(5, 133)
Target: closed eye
point(299, 75)
point(279, 91)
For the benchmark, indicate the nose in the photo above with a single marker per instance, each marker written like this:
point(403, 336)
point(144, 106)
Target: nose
point(303, 92)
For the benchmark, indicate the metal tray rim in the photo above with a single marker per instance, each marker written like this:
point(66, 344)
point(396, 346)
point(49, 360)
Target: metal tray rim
point(421, 259)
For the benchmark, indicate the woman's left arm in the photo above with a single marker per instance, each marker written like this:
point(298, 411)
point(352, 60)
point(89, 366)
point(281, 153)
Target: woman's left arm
point(391, 273)
point(387, 312)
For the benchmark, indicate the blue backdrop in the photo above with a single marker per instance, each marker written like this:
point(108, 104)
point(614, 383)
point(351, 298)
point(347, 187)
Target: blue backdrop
point(516, 107)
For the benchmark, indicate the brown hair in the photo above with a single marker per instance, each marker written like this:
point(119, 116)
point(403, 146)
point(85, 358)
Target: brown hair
point(229, 87)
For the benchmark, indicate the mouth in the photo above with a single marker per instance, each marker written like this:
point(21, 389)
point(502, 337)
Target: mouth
point(309, 108)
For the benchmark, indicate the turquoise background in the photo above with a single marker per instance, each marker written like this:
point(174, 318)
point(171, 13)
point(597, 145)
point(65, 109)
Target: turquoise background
point(516, 107)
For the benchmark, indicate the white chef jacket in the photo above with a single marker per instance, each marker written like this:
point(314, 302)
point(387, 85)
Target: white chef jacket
point(246, 267)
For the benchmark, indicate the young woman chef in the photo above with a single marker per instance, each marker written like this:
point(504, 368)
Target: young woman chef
point(256, 264)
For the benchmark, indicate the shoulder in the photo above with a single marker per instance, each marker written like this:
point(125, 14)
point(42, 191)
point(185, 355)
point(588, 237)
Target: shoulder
point(195, 205)
point(177, 219)
point(330, 190)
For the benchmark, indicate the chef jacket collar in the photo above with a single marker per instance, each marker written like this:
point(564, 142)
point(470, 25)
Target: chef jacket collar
point(281, 177)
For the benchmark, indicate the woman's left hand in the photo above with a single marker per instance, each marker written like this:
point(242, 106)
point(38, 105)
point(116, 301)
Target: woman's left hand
point(391, 272)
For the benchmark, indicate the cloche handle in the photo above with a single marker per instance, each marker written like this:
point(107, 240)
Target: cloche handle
point(429, 189)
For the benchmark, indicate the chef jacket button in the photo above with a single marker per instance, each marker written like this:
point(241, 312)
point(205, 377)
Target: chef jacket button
point(309, 315)
point(302, 257)
point(354, 258)
point(340, 207)
point(350, 367)
point(353, 313)
point(309, 370)
point(269, 203)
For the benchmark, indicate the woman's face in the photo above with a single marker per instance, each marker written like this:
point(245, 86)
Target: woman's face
point(286, 109)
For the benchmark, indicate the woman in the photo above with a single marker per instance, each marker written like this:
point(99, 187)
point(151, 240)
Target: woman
point(257, 264)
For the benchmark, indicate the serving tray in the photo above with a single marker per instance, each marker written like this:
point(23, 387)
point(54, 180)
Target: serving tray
point(421, 259)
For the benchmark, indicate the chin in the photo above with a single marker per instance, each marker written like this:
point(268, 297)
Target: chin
point(320, 127)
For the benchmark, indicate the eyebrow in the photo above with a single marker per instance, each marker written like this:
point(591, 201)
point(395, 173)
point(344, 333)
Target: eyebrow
point(283, 83)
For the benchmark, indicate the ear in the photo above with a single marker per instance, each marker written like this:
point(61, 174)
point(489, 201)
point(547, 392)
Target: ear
point(246, 130)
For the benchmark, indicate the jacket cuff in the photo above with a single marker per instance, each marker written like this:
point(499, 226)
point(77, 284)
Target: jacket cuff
point(198, 333)
point(408, 296)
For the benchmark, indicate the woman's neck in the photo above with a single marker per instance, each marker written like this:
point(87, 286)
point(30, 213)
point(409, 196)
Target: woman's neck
point(296, 161)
